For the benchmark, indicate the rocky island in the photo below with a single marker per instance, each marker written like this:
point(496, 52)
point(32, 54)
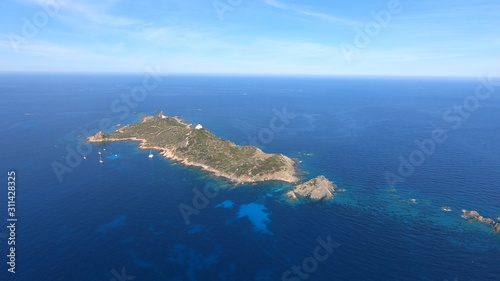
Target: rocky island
point(196, 146)
point(474, 215)
point(315, 189)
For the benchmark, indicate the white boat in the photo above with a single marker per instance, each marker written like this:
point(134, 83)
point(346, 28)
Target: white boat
point(84, 157)
point(100, 159)
point(446, 209)
point(151, 154)
point(99, 152)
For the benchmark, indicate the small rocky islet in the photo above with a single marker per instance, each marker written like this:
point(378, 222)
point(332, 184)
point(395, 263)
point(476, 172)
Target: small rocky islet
point(318, 188)
point(474, 215)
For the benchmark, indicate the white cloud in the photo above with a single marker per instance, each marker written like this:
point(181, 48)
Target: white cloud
point(307, 12)
point(92, 11)
point(101, 16)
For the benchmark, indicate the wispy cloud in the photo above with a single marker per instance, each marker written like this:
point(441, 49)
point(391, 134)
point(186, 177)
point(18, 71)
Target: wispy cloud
point(52, 56)
point(310, 13)
point(100, 15)
point(51, 50)
point(169, 32)
point(40, 48)
point(295, 49)
point(91, 11)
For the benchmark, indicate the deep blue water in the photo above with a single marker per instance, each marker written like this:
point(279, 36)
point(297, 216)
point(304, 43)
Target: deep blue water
point(122, 216)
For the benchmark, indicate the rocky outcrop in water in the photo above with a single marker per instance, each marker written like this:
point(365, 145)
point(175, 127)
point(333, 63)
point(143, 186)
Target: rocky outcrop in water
point(316, 189)
point(496, 227)
point(474, 215)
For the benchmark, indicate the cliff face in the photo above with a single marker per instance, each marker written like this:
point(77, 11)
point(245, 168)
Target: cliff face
point(316, 189)
point(199, 147)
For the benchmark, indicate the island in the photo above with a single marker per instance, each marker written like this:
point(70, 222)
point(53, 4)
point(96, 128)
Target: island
point(315, 189)
point(474, 215)
point(196, 146)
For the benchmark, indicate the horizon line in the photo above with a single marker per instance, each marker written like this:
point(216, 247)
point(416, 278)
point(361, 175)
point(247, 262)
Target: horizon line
point(262, 75)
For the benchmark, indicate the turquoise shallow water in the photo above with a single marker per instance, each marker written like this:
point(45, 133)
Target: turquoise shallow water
point(124, 213)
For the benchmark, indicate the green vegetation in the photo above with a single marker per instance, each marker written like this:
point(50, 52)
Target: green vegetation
point(202, 147)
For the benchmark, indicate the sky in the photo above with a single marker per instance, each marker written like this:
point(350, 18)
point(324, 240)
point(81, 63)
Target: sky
point(255, 37)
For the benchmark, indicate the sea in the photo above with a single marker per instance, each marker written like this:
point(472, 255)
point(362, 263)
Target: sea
point(402, 148)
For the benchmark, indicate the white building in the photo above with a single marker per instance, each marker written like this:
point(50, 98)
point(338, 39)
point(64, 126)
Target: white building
point(199, 126)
